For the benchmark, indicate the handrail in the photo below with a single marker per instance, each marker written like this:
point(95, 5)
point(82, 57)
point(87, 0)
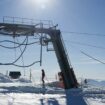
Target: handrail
point(66, 51)
point(19, 20)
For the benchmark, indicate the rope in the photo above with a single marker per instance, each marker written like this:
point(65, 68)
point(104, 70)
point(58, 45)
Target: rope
point(18, 57)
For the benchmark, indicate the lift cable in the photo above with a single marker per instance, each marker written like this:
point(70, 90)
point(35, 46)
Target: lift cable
point(22, 58)
point(18, 57)
point(19, 44)
point(26, 65)
point(14, 48)
point(92, 57)
point(22, 51)
point(84, 53)
point(41, 50)
point(14, 44)
point(84, 44)
point(82, 33)
point(13, 63)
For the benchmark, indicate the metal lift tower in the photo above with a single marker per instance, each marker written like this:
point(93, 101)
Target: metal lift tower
point(18, 29)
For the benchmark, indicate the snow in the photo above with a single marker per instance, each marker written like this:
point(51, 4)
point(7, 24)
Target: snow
point(92, 101)
point(22, 80)
point(7, 79)
point(4, 78)
point(96, 82)
point(24, 92)
point(31, 99)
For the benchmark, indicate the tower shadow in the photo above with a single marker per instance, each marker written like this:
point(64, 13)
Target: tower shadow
point(50, 101)
point(74, 97)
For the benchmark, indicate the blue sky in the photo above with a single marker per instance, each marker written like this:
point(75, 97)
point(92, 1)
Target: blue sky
point(86, 16)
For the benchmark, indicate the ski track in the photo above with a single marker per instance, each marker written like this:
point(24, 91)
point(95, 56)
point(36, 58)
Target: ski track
point(91, 96)
point(26, 93)
point(31, 99)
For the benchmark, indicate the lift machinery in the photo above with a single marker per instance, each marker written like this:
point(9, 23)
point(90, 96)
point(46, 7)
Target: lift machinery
point(22, 29)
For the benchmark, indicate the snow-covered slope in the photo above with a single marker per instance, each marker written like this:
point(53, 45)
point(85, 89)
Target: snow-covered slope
point(96, 82)
point(7, 79)
point(23, 80)
point(22, 91)
point(4, 78)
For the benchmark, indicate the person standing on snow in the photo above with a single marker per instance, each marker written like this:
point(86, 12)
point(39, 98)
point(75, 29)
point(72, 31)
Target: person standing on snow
point(43, 76)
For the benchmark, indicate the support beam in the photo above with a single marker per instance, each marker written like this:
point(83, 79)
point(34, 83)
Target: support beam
point(69, 77)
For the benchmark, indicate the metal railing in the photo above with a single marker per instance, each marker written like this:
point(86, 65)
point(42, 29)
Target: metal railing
point(26, 21)
point(66, 51)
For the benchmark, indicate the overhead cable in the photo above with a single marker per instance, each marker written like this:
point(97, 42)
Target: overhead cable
point(92, 57)
point(84, 44)
point(19, 44)
point(19, 56)
point(26, 65)
point(21, 65)
point(22, 57)
point(82, 33)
